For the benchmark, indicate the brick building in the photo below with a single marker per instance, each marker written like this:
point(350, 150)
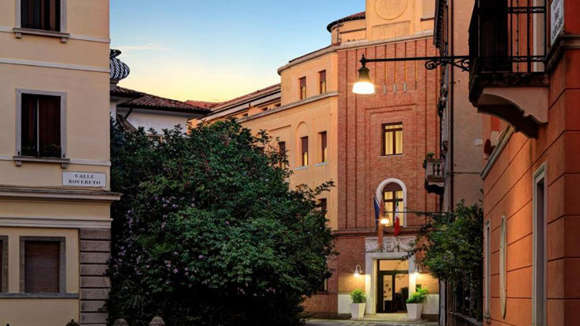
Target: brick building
point(370, 146)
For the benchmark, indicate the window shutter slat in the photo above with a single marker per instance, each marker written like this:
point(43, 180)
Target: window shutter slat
point(42, 260)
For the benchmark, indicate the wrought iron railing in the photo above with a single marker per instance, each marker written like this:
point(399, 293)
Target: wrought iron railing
point(508, 36)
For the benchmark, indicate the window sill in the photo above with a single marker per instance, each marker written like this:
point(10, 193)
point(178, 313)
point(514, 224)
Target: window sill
point(19, 32)
point(301, 168)
point(391, 155)
point(39, 296)
point(19, 160)
point(321, 164)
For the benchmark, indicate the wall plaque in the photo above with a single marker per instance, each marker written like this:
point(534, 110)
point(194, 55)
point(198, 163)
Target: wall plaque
point(84, 179)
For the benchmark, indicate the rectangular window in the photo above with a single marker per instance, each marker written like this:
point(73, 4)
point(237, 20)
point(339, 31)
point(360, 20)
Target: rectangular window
point(304, 150)
point(487, 270)
point(322, 85)
point(40, 129)
point(42, 266)
point(40, 14)
point(282, 151)
point(393, 201)
point(3, 264)
point(392, 139)
point(302, 88)
point(539, 249)
point(323, 147)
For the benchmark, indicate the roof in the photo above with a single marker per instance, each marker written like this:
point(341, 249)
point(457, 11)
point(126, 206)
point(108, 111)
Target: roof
point(152, 102)
point(357, 16)
point(203, 104)
point(248, 97)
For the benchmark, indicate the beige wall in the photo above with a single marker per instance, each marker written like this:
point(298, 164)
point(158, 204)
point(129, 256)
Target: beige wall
point(309, 69)
point(397, 18)
point(306, 120)
point(75, 65)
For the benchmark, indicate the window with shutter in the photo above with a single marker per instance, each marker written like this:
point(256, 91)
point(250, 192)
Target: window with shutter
point(2, 266)
point(40, 14)
point(323, 147)
point(41, 128)
point(42, 266)
point(322, 85)
point(304, 150)
point(302, 88)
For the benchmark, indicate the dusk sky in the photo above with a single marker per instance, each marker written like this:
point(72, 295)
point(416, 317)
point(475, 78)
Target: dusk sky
point(216, 50)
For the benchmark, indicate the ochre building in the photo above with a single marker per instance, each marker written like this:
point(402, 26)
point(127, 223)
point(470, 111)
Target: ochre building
point(370, 146)
point(54, 162)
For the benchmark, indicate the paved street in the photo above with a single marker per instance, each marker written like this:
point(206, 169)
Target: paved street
point(367, 322)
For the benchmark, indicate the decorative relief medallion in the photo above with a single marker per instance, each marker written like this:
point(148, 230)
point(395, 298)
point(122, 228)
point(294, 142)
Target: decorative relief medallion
point(391, 9)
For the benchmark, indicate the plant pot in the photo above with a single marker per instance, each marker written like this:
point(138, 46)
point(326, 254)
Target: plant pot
point(357, 311)
point(414, 311)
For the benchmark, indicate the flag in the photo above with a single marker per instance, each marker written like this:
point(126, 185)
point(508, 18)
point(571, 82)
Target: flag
point(377, 207)
point(397, 223)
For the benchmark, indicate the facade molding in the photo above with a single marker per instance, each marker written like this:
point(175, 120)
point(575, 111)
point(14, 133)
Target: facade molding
point(77, 37)
point(56, 193)
point(290, 106)
point(497, 152)
point(54, 223)
point(45, 64)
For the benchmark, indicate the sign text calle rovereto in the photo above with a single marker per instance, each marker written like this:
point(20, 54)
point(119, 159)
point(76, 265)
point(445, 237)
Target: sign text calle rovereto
point(84, 179)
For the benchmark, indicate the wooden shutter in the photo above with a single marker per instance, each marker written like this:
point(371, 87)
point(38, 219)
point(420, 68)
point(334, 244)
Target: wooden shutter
point(28, 128)
point(302, 88)
point(40, 14)
point(323, 147)
point(304, 146)
point(2, 281)
point(49, 126)
point(322, 76)
point(42, 270)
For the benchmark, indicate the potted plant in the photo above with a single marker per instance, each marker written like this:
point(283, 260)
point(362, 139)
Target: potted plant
point(357, 308)
point(415, 304)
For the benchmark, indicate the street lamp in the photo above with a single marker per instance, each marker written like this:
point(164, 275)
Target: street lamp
point(364, 85)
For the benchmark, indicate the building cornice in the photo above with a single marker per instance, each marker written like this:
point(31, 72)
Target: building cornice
point(58, 193)
point(55, 223)
point(289, 106)
point(497, 152)
point(351, 45)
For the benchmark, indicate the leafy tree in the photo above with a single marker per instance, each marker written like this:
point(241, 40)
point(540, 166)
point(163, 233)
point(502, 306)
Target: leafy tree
point(208, 231)
point(451, 247)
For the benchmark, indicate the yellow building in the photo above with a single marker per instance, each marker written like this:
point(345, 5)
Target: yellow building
point(330, 134)
point(54, 162)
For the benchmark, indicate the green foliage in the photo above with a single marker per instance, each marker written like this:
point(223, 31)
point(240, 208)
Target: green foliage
point(208, 231)
point(419, 296)
point(358, 296)
point(451, 247)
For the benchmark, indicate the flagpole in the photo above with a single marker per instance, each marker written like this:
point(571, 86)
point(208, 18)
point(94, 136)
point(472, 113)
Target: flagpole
point(380, 236)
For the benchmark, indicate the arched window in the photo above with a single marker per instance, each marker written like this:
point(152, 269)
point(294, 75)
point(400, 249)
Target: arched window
point(393, 199)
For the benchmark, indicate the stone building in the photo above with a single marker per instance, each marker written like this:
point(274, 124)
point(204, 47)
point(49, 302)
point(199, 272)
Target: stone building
point(54, 162)
point(370, 146)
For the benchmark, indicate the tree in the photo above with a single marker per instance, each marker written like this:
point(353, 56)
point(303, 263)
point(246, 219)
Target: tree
point(208, 231)
point(451, 247)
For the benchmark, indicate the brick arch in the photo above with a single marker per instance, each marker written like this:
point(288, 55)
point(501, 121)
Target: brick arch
point(381, 187)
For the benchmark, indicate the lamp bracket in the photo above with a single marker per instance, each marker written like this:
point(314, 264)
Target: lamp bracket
point(462, 62)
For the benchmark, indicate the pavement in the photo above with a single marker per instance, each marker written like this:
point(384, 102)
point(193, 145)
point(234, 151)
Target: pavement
point(372, 320)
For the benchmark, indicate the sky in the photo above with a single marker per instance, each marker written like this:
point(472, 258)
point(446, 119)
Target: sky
point(218, 49)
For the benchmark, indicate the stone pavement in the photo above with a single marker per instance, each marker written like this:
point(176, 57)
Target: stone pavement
point(369, 321)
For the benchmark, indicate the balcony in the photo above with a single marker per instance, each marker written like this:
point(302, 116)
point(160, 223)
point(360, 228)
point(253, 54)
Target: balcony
point(434, 175)
point(507, 44)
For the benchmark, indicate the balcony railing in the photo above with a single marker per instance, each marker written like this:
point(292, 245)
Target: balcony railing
point(434, 175)
point(507, 45)
point(508, 36)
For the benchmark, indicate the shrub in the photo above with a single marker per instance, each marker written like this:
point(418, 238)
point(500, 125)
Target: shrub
point(419, 296)
point(358, 296)
point(208, 232)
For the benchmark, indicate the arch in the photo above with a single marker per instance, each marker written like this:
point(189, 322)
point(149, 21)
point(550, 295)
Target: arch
point(383, 184)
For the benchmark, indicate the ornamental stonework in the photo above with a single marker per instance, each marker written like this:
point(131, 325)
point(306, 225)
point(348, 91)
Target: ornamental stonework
point(391, 9)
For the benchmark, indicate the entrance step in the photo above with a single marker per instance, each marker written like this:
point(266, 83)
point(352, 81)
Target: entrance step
point(368, 322)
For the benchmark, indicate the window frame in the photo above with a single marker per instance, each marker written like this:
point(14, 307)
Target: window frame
point(322, 82)
point(4, 265)
point(63, 129)
point(397, 203)
point(394, 131)
point(304, 160)
point(539, 180)
point(63, 19)
point(487, 271)
point(323, 136)
point(303, 94)
point(62, 285)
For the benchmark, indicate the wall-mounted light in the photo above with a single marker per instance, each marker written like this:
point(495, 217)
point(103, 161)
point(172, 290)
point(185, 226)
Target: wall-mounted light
point(385, 221)
point(364, 85)
point(357, 271)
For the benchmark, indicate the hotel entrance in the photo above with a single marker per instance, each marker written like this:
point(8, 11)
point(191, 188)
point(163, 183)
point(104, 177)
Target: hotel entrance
point(392, 286)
